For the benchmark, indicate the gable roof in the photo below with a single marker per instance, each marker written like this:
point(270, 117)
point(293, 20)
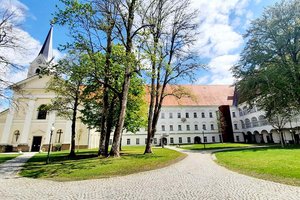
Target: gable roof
point(200, 95)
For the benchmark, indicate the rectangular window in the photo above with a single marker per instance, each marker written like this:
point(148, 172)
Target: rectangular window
point(203, 115)
point(210, 115)
point(187, 127)
point(179, 127)
point(195, 115)
point(203, 126)
point(162, 115)
point(187, 115)
point(128, 141)
point(196, 127)
point(205, 139)
point(237, 138)
point(171, 127)
point(233, 114)
point(170, 115)
point(110, 141)
point(163, 128)
point(235, 126)
point(212, 127)
point(137, 140)
point(180, 140)
point(155, 140)
point(172, 140)
point(189, 139)
point(178, 115)
point(213, 139)
point(145, 140)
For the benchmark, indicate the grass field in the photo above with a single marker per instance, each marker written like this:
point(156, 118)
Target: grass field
point(89, 166)
point(214, 146)
point(4, 157)
point(275, 164)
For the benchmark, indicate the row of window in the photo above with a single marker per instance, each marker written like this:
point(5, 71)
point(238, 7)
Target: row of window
point(246, 110)
point(187, 115)
point(179, 127)
point(172, 141)
point(262, 121)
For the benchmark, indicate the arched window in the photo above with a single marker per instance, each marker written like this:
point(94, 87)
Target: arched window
point(38, 70)
point(245, 110)
point(247, 123)
point(240, 112)
point(16, 135)
point(254, 122)
point(242, 124)
point(262, 120)
point(42, 112)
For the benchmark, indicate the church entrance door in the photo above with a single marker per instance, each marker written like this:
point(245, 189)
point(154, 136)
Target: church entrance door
point(36, 143)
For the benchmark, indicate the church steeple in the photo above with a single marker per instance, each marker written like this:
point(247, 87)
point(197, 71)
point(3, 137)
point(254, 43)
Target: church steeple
point(47, 50)
point(44, 57)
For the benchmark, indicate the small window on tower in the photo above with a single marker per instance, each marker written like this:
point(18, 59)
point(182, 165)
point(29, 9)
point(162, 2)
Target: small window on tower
point(38, 71)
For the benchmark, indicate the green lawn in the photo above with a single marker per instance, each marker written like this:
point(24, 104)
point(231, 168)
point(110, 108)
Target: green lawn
point(275, 164)
point(214, 146)
point(4, 157)
point(88, 166)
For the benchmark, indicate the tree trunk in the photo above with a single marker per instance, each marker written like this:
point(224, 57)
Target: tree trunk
point(115, 150)
point(101, 150)
point(73, 127)
point(105, 131)
point(281, 139)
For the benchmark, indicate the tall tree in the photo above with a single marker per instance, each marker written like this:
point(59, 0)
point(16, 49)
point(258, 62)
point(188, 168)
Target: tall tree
point(9, 41)
point(167, 45)
point(89, 26)
point(94, 101)
point(67, 82)
point(268, 73)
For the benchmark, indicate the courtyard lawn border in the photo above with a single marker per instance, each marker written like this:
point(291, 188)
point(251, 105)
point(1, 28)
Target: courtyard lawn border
point(273, 169)
point(88, 166)
point(7, 156)
point(214, 146)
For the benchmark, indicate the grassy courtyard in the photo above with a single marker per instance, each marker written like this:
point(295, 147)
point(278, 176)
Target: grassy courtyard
point(89, 166)
point(214, 146)
point(4, 157)
point(275, 164)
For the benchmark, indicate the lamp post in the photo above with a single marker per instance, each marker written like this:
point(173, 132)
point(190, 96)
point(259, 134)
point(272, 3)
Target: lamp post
point(49, 147)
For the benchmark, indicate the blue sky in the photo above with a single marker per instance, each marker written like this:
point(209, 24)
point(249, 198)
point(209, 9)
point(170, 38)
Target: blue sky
point(219, 43)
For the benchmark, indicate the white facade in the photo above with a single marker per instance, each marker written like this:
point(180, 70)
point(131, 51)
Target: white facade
point(181, 125)
point(250, 125)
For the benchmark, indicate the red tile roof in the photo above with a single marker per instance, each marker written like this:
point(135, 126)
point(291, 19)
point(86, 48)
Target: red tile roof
point(199, 95)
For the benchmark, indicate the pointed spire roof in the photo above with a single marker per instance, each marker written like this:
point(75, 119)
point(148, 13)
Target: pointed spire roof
point(47, 50)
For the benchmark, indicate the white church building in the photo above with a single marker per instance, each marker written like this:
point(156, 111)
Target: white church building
point(208, 117)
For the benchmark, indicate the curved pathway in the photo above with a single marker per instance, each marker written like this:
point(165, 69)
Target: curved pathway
point(195, 177)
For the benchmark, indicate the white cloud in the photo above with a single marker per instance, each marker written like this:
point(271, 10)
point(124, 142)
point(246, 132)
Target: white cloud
point(219, 40)
point(220, 68)
point(16, 7)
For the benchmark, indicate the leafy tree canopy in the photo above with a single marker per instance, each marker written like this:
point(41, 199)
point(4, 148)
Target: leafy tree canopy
point(268, 73)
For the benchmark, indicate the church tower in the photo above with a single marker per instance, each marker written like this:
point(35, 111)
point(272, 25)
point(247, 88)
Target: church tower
point(44, 57)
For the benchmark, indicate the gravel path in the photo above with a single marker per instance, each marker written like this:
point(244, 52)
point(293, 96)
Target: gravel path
point(195, 177)
point(10, 168)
